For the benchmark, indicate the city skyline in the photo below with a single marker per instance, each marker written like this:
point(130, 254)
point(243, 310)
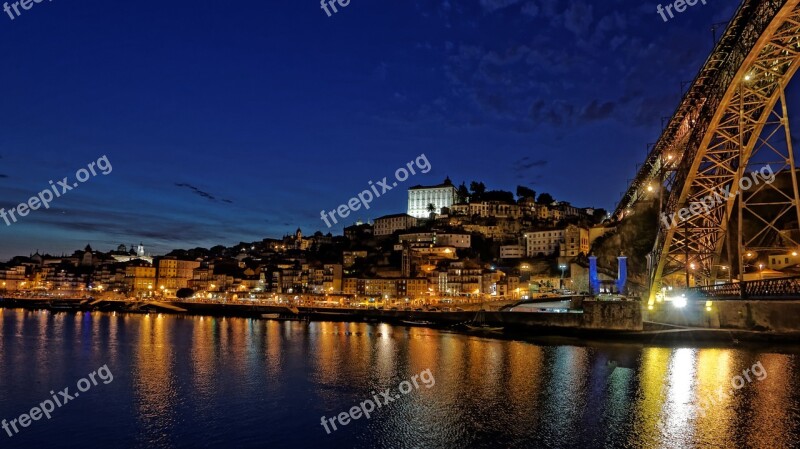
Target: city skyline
point(349, 109)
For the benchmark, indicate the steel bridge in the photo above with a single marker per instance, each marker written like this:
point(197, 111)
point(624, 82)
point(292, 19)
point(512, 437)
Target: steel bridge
point(732, 121)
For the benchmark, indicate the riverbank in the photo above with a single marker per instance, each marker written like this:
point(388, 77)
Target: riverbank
point(599, 320)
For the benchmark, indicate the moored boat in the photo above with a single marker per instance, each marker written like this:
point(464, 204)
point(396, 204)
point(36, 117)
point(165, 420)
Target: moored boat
point(417, 322)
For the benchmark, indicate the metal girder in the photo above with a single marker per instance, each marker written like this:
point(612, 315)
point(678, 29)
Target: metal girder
point(727, 117)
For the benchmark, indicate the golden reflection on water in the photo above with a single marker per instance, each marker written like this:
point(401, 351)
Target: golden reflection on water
point(154, 384)
point(687, 399)
point(563, 394)
point(204, 360)
point(525, 379)
point(651, 394)
point(273, 349)
point(714, 370)
point(772, 401)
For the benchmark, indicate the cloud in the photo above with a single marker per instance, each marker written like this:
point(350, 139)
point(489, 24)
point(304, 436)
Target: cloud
point(530, 9)
point(201, 192)
point(557, 112)
point(494, 5)
point(527, 163)
point(578, 18)
point(597, 111)
point(3, 176)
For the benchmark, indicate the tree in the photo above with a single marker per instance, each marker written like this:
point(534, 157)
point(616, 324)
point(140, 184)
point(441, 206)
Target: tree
point(498, 195)
point(599, 215)
point(477, 189)
point(462, 194)
point(545, 198)
point(432, 210)
point(525, 192)
point(184, 293)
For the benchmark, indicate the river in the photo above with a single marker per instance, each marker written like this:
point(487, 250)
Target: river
point(188, 382)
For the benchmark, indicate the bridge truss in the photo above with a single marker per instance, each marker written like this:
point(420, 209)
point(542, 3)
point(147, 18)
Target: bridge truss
point(732, 121)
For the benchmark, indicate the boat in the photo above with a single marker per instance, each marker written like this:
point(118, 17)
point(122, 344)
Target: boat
point(63, 306)
point(333, 313)
point(270, 316)
point(479, 324)
point(417, 323)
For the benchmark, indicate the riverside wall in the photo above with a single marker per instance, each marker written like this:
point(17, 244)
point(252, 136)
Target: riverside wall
point(761, 315)
point(595, 316)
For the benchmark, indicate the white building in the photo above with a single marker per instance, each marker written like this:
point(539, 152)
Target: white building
point(419, 197)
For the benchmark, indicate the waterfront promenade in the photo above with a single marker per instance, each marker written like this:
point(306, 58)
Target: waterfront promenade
point(609, 318)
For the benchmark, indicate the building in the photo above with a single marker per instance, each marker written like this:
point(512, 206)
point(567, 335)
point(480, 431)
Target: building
point(783, 261)
point(419, 197)
point(412, 287)
point(391, 287)
point(496, 209)
point(174, 274)
point(545, 242)
point(512, 252)
point(13, 278)
point(389, 224)
point(325, 279)
point(140, 278)
point(359, 231)
point(349, 257)
point(436, 239)
point(576, 241)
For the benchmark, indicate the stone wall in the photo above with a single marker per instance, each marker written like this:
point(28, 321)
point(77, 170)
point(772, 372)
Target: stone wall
point(772, 315)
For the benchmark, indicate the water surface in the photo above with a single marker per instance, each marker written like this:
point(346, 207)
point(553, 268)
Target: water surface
point(187, 382)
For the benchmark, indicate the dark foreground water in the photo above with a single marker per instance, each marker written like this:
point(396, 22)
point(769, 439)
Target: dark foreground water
point(209, 382)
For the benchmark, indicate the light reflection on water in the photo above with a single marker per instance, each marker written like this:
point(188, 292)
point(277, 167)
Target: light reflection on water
point(225, 382)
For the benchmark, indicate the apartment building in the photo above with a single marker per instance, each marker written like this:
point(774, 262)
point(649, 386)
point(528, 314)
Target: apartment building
point(544, 242)
point(174, 274)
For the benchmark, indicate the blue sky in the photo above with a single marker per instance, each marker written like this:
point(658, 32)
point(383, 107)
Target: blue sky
point(235, 121)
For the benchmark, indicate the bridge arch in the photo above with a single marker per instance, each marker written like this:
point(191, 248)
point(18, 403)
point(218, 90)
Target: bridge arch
point(734, 112)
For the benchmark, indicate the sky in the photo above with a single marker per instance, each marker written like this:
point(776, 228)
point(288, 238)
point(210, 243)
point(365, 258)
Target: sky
point(235, 121)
